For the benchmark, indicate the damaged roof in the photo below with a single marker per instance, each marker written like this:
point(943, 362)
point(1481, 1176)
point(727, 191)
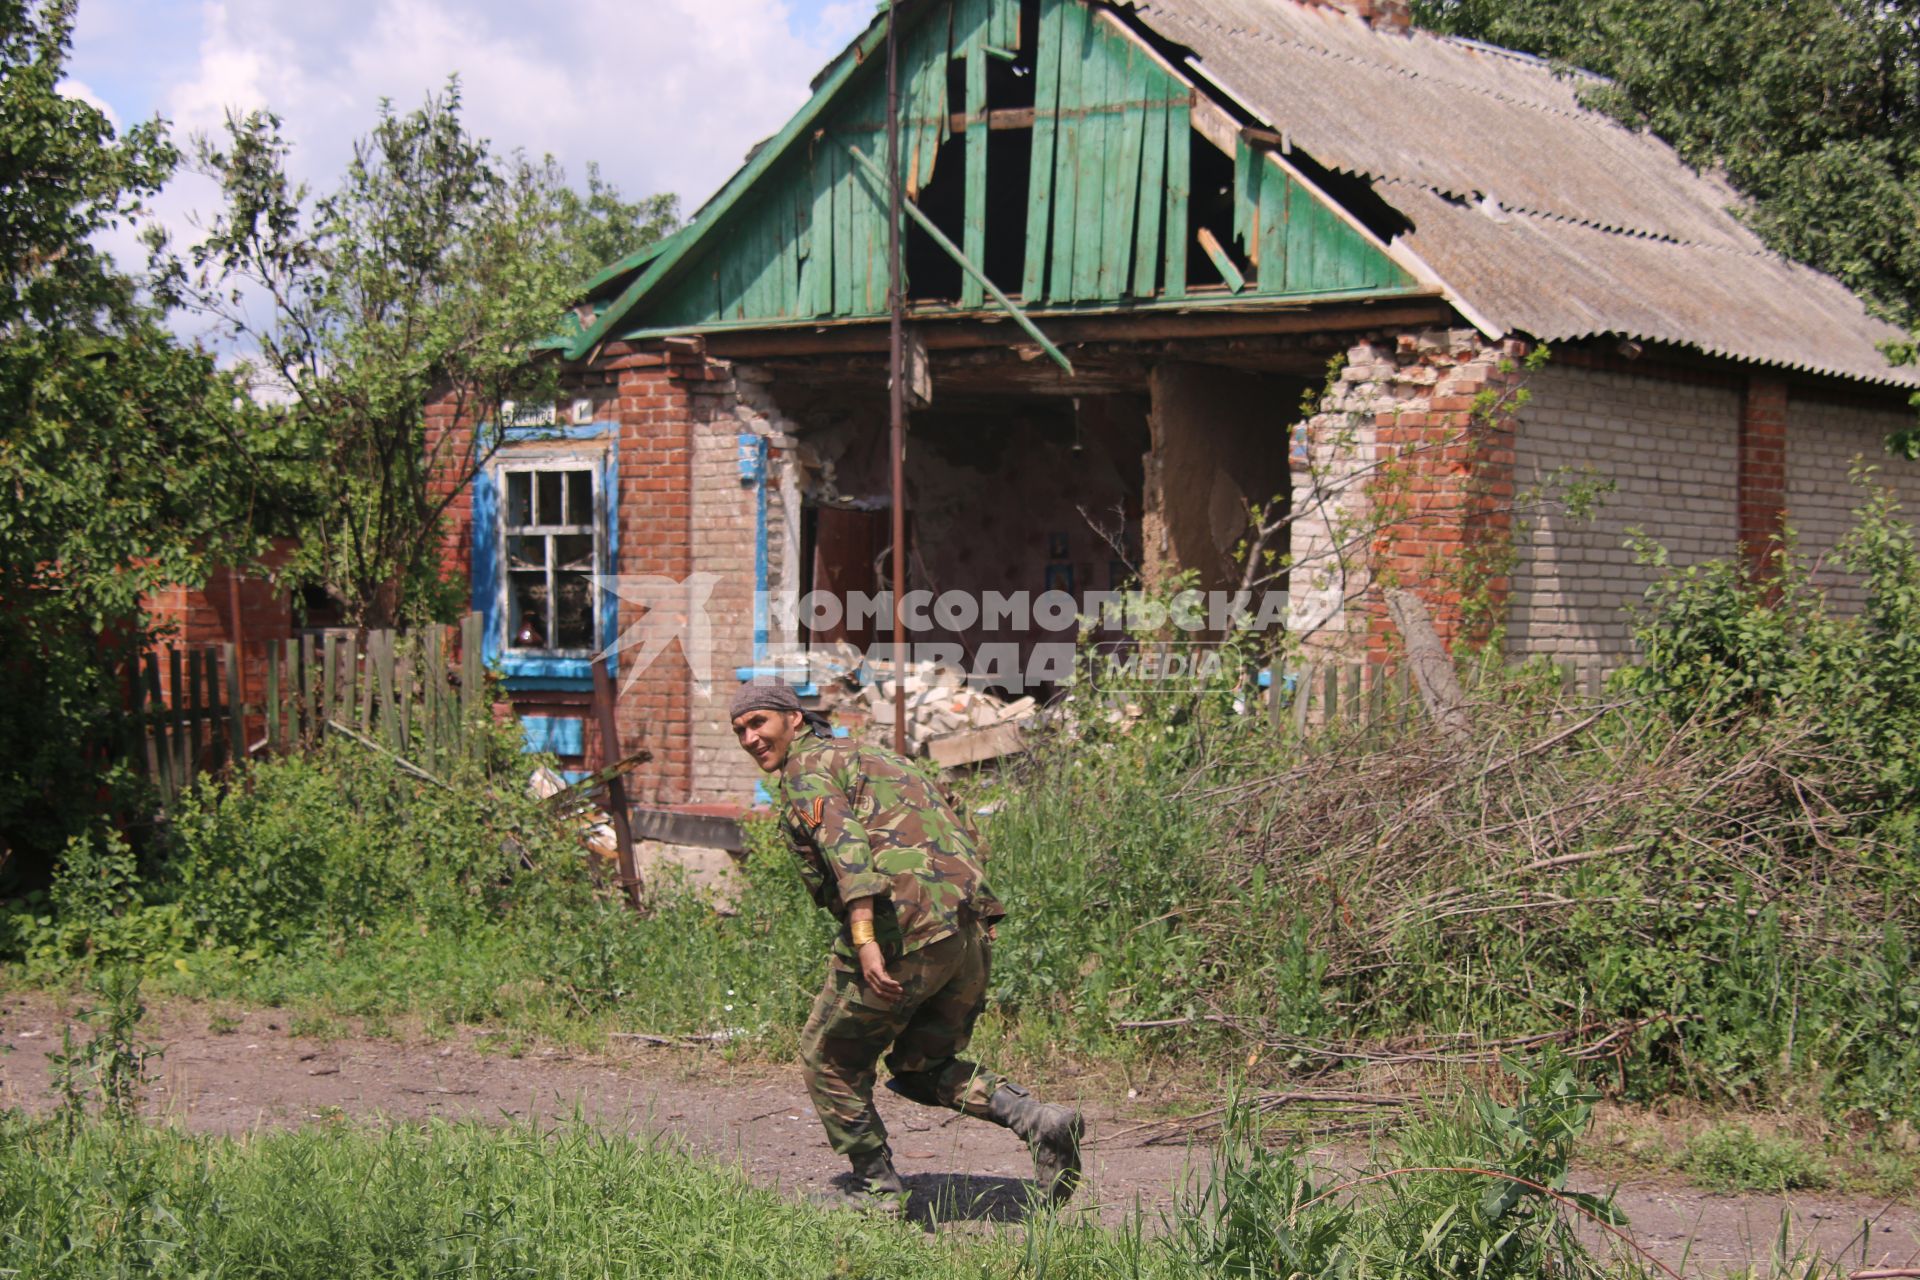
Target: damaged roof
point(1540, 215)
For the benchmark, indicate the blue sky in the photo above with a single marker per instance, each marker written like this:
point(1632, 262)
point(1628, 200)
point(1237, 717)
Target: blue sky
point(664, 94)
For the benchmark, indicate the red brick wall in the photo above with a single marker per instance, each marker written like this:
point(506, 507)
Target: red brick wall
point(197, 616)
point(656, 393)
point(1763, 472)
point(449, 443)
point(655, 409)
point(1450, 475)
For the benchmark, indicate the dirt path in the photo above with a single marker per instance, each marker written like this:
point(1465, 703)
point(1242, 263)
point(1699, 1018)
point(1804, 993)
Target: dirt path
point(256, 1074)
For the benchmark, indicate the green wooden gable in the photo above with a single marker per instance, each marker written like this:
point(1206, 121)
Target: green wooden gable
point(1108, 219)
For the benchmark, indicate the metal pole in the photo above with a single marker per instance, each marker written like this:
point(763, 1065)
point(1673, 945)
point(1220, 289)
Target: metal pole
point(897, 399)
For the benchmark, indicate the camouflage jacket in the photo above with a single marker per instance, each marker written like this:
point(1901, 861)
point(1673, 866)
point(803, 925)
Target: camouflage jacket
point(866, 823)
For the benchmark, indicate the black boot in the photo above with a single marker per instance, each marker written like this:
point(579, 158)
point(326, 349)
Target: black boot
point(1052, 1132)
point(876, 1187)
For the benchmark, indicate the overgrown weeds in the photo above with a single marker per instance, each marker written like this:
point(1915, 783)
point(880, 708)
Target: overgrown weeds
point(1700, 884)
point(1481, 1192)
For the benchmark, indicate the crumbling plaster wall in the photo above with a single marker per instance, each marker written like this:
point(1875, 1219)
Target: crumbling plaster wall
point(1023, 499)
point(1220, 444)
point(1005, 493)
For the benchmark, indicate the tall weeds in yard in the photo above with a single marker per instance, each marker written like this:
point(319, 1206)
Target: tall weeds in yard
point(1701, 883)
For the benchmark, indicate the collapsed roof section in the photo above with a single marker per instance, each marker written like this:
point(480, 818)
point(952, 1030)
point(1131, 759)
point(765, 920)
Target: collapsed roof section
point(1095, 157)
point(1060, 153)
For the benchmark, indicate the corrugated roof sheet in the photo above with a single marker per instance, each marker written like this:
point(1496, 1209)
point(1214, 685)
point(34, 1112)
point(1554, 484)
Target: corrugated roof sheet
point(1545, 217)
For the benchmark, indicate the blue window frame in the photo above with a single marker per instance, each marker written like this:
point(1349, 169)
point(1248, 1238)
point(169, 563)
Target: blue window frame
point(544, 523)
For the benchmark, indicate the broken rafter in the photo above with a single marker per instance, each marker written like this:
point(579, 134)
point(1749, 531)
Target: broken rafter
point(939, 237)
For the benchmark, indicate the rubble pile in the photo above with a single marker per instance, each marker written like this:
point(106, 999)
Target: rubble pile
point(946, 720)
point(591, 823)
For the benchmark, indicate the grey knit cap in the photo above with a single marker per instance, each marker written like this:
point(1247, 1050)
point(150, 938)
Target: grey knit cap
point(763, 697)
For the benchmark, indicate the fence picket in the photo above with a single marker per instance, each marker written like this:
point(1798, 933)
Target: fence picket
point(469, 668)
point(186, 709)
point(290, 693)
point(1302, 695)
point(273, 696)
point(368, 662)
point(436, 689)
point(159, 761)
point(236, 712)
point(196, 712)
point(403, 683)
point(309, 692)
point(384, 669)
point(349, 698)
point(329, 679)
point(176, 730)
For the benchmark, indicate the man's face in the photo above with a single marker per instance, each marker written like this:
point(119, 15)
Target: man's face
point(767, 736)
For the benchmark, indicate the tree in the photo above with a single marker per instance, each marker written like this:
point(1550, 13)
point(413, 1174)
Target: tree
point(432, 270)
point(126, 459)
point(1812, 107)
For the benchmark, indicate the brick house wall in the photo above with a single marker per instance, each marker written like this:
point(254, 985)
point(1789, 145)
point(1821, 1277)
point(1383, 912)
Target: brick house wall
point(1671, 448)
point(1828, 433)
point(1701, 459)
point(192, 617)
point(1396, 478)
point(1709, 463)
point(728, 532)
point(684, 511)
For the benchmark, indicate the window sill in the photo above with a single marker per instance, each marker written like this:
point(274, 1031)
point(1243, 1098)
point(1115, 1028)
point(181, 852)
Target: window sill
point(531, 673)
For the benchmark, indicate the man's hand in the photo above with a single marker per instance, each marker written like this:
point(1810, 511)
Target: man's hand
point(873, 971)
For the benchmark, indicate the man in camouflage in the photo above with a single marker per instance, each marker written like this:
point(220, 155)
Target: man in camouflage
point(899, 866)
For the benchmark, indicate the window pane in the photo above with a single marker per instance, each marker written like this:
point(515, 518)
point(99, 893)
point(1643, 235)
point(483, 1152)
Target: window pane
point(526, 551)
point(527, 610)
point(550, 508)
point(580, 497)
point(519, 498)
point(575, 614)
point(574, 551)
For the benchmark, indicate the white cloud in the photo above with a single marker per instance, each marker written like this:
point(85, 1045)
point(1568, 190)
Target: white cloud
point(665, 95)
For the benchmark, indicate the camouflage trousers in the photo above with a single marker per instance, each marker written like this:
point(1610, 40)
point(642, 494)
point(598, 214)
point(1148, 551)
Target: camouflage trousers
point(926, 1029)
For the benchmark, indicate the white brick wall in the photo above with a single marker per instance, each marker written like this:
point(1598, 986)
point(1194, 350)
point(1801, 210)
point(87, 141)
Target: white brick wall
point(1672, 450)
point(1823, 439)
point(724, 536)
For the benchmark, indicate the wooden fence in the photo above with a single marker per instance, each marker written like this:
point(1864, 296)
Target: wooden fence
point(1322, 695)
point(189, 709)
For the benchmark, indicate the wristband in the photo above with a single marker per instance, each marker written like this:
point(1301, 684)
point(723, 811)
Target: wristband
point(862, 932)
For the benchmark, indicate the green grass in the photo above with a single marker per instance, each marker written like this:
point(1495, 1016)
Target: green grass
point(1732, 1157)
point(465, 1200)
point(84, 1196)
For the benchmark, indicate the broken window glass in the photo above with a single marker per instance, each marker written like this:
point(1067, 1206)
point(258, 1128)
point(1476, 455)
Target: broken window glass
point(551, 556)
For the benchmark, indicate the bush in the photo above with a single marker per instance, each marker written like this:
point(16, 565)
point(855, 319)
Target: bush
point(327, 846)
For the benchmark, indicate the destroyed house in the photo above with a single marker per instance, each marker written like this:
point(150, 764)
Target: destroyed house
point(1142, 235)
